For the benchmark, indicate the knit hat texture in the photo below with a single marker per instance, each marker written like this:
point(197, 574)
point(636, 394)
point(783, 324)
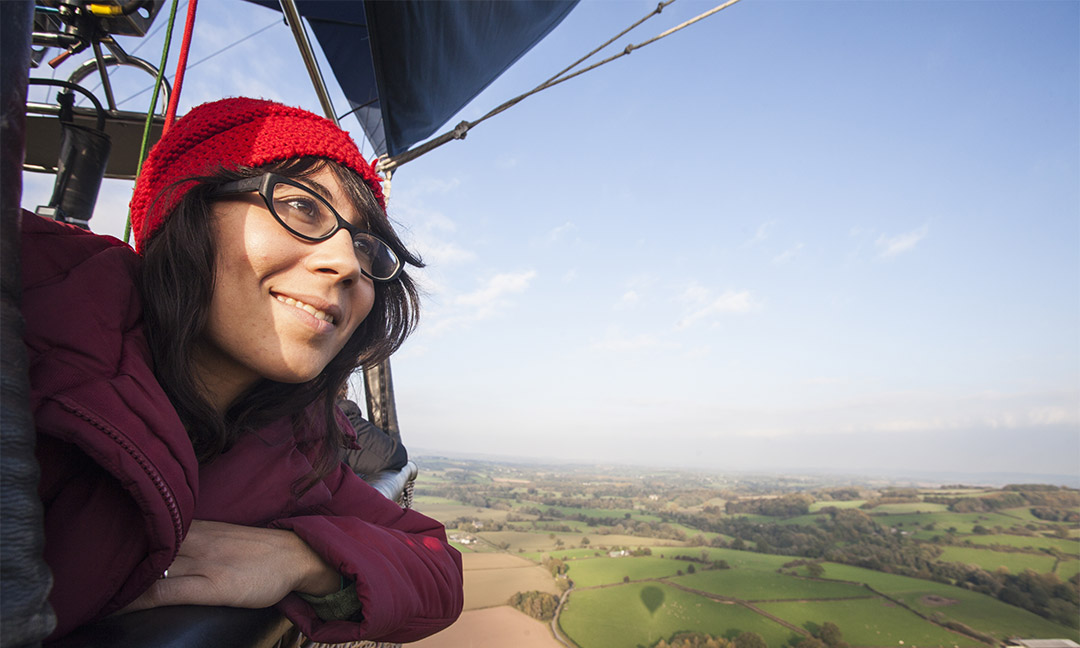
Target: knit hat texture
point(230, 133)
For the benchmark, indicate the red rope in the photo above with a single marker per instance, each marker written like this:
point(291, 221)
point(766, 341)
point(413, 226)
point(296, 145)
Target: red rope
point(181, 65)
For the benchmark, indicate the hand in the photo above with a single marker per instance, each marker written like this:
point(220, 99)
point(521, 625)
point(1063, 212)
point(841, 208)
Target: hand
point(239, 566)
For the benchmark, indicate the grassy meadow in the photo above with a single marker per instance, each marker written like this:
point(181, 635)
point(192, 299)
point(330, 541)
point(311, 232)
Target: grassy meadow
point(973, 609)
point(639, 614)
point(513, 521)
point(870, 622)
point(990, 560)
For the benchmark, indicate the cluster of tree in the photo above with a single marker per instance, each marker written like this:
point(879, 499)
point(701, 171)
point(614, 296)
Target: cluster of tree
point(556, 566)
point(1051, 514)
point(843, 494)
point(694, 640)
point(1013, 496)
point(1044, 594)
point(557, 528)
point(538, 605)
point(790, 505)
point(476, 524)
point(644, 529)
point(826, 635)
point(703, 559)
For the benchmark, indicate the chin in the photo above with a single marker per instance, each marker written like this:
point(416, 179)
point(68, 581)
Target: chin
point(295, 377)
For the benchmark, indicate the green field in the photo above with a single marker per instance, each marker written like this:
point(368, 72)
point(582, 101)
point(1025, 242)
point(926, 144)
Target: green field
point(639, 614)
point(738, 559)
point(982, 612)
point(1069, 546)
point(606, 571)
point(990, 560)
point(963, 522)
point(1067, 569)
point(538, 541)
point(462, 548)
point(755, 585)
point(907, 508)
point(561, 554)
point(870, 622)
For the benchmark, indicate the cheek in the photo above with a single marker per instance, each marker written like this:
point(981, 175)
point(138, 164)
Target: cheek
point(365, 300)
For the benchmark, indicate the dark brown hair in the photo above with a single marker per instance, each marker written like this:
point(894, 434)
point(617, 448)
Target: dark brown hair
point(177, 287)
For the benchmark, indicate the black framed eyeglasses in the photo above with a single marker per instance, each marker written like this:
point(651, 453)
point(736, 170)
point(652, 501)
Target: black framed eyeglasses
point(308, 216)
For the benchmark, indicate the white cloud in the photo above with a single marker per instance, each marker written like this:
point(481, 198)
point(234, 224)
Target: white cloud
point(556, 233)
point(702, 304)
point(890, 246)
point(763, 232)
point(496, 287)
point(483, 303)
point(435, 252)
point(636, 289)
point(788, 254)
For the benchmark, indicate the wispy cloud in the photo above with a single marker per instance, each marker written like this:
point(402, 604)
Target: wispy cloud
point(489, 300)
point(637, 288)
point(788, 254)
point(702, 304)
point(495, 289)
point(763, 232)
point(431, 235)
point(891, 246)
point(556, 233)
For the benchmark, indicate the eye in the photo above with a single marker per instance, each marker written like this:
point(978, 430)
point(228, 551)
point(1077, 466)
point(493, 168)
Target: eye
point(300, 209)
point(365, 248)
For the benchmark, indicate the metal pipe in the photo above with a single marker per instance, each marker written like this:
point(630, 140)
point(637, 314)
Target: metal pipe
point(288, 7)
point(99, 58)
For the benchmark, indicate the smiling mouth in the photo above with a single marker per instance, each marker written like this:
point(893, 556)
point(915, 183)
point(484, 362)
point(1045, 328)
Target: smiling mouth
point(318, 314)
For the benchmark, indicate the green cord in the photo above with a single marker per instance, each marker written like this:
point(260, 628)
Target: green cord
point(153, 104)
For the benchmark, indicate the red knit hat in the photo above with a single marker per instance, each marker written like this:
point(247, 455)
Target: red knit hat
point(230, 133)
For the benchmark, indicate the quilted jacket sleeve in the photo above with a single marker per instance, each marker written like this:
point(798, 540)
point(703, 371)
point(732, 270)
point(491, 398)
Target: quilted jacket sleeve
point(408, 578)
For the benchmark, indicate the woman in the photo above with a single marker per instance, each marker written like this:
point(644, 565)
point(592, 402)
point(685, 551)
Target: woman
point(184, 395)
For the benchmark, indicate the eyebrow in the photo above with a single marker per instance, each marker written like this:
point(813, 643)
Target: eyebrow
point(363, 218)
point(318, 187)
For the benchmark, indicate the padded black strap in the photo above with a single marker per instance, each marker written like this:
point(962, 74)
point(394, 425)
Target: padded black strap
point(182, 626)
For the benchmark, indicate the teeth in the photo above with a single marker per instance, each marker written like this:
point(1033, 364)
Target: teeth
point(318, 314)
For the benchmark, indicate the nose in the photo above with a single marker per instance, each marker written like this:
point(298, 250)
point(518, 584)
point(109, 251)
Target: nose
point(336, 256)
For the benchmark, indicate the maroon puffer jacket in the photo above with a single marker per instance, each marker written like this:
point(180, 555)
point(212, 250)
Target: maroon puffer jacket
point(121, 485)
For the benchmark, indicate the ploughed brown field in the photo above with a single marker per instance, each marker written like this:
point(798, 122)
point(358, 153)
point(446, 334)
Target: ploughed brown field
point(491, 579)
point(496, 627)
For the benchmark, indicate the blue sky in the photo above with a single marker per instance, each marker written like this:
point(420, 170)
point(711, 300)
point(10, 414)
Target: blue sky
point(797, 236)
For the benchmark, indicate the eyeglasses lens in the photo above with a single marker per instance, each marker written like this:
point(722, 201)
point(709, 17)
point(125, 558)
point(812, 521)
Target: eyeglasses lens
point(303, 211)
point(309, 214)
point(375, 256)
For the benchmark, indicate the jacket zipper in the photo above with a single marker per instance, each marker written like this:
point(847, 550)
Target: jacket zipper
point(158, 481)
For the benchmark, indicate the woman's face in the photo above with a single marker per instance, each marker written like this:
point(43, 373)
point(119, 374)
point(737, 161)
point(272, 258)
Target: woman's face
point(282, 308)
